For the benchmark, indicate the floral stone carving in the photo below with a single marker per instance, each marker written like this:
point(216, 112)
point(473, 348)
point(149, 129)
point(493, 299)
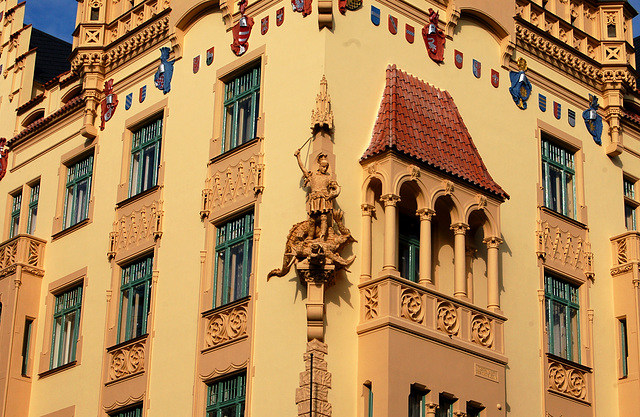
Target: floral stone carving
point(226, 326)
point(481, 331)
point(411, 305)
point(448, 318)
point(567, 380)
point(127, 360)
point(371, 303)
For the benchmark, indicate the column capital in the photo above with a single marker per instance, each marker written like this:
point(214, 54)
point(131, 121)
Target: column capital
point(367, 209)
point(425, 214)
point(431, 408)
point(492, 242)
point(459, 228)
point(390, 199)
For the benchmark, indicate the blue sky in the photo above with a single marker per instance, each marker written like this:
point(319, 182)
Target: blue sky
point(57, 17)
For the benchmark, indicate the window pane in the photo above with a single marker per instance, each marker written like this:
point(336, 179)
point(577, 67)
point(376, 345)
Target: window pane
point(150, 166)
point(574, 339)
point(145, 147)
point(629, 217)
point(57, 337)
point(559, 330)
point(569, 197)
point(222, 292)
point(245, 120)
point(139, 311)
point(135, 173)
point(234, 243)
point(228, 127)
point(135, 304)
point(242, 95)
point(124, 312)
point(235, 280)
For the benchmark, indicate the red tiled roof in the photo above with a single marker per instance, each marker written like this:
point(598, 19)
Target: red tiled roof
point(631, 115)
point(423, 122)
point(41, 123)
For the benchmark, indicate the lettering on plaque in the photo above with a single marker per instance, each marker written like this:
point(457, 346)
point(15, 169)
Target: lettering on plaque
point(486, 373)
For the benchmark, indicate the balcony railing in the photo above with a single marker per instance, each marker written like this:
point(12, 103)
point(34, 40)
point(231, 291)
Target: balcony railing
point(430, 314)
point(23, 250)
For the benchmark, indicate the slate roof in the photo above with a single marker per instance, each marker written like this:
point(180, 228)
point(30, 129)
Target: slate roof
point(423, 122)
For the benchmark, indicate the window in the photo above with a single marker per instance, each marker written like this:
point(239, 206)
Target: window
point(33, 208)
point(16, 202)
point(630, 203)
point(368, 396)
point(445, 406)
point(145, 157)
point(66, 318)
point(558, 174)
point(130, 412)
point(234, 245)
point(225, 398)
point(241, 101)
point(135, 298)
point(417, 402)
point(26, 345)
point(76, 204)
point(562, 307)
point(409, 247)
point(474, 409)
point(624, 347)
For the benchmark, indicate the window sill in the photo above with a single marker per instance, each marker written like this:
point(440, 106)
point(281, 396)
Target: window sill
point(128, 342)
point(561, 216)
point(233, 151)
point(232, 304)
point(138, 196)
point(60, 368)
point(568, 362)
point(70, 229)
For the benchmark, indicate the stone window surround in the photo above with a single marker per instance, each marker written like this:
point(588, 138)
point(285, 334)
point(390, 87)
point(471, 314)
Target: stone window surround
point(24, 206)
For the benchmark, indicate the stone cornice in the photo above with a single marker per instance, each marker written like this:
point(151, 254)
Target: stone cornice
point(129, 47)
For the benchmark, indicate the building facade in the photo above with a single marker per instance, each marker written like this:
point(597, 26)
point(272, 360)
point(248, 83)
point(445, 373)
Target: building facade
point(351, 209)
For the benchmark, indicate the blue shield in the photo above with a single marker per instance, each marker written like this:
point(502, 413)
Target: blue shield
point(127, 101)
point(477, 68)
point(542, 102)
point(375, 15)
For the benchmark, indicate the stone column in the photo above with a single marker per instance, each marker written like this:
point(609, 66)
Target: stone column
point(470, 253)
point(390, 255)
point(367, 244)
point(459, 258)
point(425, 245)
point(493, 290)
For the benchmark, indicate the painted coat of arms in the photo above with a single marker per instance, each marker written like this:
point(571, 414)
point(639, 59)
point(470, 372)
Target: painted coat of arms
point(434, 38)
point(108, 104)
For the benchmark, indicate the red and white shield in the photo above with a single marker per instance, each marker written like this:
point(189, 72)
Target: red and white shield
point(495, 78)
point(280, 16)
point(458, 58)
point(241, 32)
point(393, 25)
point(435, 43)
point(196, 64)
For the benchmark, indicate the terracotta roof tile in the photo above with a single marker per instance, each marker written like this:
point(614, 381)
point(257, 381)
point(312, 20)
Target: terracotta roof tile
point(423, 122)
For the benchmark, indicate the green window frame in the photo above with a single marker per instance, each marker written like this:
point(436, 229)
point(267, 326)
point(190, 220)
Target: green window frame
point(135, 299)
point(129, 412)
point(558, 179)
point(16, 203)
point(34, 196)
point(445, 406)
point(234, 247)
point(145, 157)
point(241, 103)
point(624, 347)
point(66, 327)
point(26, 346)
point(409, 247)
point(226, 397)
point(76, 205)
point(562, 312)
point(369, 396)
point(630, 204)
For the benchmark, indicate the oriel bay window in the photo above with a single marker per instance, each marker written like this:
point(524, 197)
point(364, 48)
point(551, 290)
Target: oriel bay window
point(562, 321)
point(78, 190)
point(558, 179)
point(145, 157)
point(66, 317)
point(135, 298)
point(225, 398)
point(234, 246)
point(241, 102)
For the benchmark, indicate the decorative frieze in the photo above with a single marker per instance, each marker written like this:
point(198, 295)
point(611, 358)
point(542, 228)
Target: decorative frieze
point(139, 226)
point(447, 318)
point(411, 305)
point(562, 247)
point(481, 330)
point(242, 180)
point(226, 325)
point(567, 380)
point(126, 360)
